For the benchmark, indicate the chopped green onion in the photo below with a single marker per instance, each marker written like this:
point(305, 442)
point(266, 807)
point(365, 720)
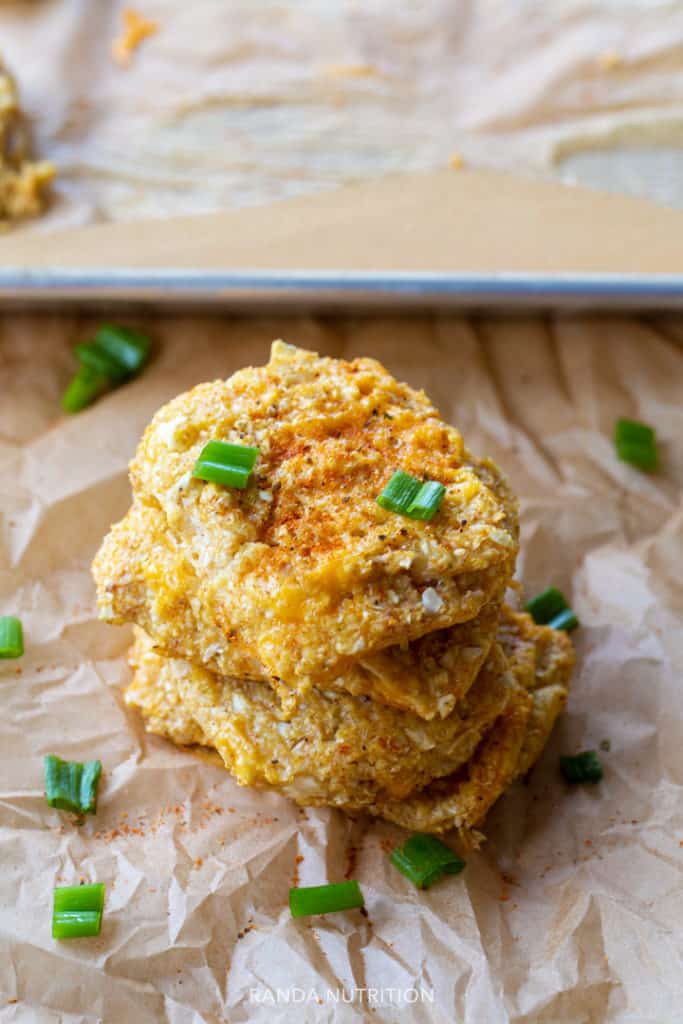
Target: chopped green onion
point(126, 348)
point(399, 493)
point(83, 389)
point(77, 911)
point(11, 637)
point(115, 354)
point(547, 605)
point(566, 620)
point(633, 432)
point(583, 767)
point(230, 465)
point(72, 785)
point(642, 456)
point(92, 356)
point(76, 924)
point(426, 503)
point(550, 608)
point(410, 497)
point(79, 897)
point(325, 899)
point(424, 859)
point(636, 444)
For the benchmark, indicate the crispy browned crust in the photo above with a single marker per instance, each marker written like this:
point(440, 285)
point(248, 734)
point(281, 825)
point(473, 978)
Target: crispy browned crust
point(334, 749)
point(355, 754)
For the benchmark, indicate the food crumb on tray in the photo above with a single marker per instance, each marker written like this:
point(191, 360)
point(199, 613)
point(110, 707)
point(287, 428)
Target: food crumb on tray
point(136, 29)
point(23, 181)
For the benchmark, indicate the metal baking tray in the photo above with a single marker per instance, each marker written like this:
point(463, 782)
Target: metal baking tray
point(471, 240)
point(341, 289)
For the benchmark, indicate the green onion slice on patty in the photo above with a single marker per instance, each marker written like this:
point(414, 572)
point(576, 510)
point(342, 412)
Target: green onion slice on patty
point(411, 497)
point(230, 465)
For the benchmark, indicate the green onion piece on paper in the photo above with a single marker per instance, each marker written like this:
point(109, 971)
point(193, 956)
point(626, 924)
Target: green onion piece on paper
point(634, 432)
point(125, 347)
point(424, 859)
point(83, 389)
point(230, 465)
point(410, 497)
point(566, 620)
point(325, 899)
point(79, 897)
point(547, 605)
point(77, 911)
point(11, 637)
point(583, 767)
point(427, 502)
point(89, 354)
point(76, 924)
point(636, 444)
point(112, 357)
point(72, 785)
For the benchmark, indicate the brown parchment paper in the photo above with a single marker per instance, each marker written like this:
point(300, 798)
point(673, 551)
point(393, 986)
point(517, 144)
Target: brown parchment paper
point(571, 912)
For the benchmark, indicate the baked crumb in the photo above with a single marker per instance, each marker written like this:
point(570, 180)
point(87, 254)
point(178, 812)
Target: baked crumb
point(23, 182)
point(456, 161)
point(349, 70)
point(136, 28)
point(610, 60)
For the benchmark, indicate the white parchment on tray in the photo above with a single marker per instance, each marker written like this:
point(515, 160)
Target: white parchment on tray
point(241, 103)
point(571, 912)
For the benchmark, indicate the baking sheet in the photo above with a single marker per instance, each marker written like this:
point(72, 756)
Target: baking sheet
point(466, 238)
point(571, 911)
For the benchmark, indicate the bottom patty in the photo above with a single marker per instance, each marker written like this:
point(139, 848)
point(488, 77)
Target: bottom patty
point(353, 753)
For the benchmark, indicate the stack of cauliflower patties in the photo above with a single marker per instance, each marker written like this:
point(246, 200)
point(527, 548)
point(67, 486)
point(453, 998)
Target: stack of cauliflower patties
point(326, 647)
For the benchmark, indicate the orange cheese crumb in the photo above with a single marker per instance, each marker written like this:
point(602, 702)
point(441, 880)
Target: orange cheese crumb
point(455, 161)
point(135, 29)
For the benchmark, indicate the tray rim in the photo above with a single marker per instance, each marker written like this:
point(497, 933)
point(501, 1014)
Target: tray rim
point(348, 287)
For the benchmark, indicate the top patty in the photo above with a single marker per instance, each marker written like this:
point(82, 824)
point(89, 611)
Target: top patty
point(303, 566)
point(145, 579)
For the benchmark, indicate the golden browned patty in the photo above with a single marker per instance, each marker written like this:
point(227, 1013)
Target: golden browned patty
point(354, 754)
point(153, 584)
point(514, 743)
point(23, 182)
point(303, 569)
point(156, 694)
point(335, 749)
point(538, 656)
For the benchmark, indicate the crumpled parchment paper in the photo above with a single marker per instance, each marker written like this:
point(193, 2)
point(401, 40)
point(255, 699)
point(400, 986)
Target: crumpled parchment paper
point(234, 104)
point(570, 913)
